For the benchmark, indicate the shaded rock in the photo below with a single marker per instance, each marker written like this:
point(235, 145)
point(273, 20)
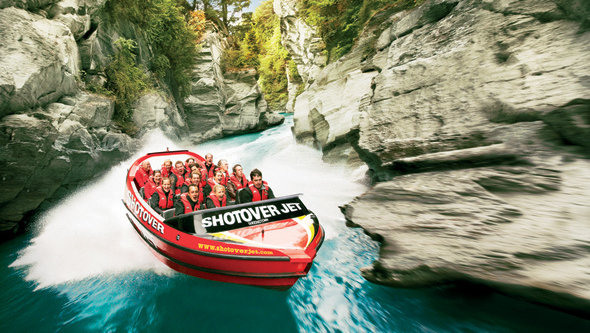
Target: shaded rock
point(55, 149)
point(205, 104)
point(572, 123)
point(245, 109)
point(26, 4)
point(457, 159)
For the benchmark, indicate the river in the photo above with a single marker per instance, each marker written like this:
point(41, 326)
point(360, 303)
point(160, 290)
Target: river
point(83, 268)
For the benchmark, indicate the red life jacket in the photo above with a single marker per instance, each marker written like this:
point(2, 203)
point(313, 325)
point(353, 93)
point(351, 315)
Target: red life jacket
point(165, 201)
point(211, 182)
point(215, 200)
point(179, 181)
point(240, 183)
point(165, 172)
point(210, 170)
point(204, 177)
point(187, 204)
point(224, 179)
point(142, 176)
point(256, 193)
point(149, 188)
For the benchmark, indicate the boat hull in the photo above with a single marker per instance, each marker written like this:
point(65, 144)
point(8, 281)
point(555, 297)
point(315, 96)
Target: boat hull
point(226, 256)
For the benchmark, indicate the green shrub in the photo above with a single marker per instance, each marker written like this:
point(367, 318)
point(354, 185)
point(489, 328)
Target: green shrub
point(171, 37)
point(125, 79)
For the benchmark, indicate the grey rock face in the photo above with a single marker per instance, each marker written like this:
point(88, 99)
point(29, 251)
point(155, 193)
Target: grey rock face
point(439, 79)
point(38, 60)
point(154, 111)
point(246, 109)
point(60, 146)
point(205, 104)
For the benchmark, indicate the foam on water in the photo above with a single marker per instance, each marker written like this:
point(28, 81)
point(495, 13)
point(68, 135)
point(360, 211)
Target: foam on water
point(87, 234)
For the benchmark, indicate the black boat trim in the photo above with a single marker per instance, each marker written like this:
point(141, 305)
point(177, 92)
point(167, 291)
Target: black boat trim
point(205, 253)
point(215, 271)
point(168, 151)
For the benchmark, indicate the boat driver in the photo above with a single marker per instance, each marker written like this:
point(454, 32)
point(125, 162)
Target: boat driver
point(256, 190)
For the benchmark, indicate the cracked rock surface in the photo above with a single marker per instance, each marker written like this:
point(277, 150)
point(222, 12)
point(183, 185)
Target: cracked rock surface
point(474, 119)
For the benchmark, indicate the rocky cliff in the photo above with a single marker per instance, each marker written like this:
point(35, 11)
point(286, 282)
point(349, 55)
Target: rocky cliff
point(55, 136)
point(474, 119)
point(224, 103)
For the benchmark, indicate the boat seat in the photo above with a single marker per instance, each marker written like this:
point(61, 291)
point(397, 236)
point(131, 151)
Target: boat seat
point(168, 213)
point(238, 195)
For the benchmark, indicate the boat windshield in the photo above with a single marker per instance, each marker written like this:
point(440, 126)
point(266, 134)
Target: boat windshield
point(239, 216)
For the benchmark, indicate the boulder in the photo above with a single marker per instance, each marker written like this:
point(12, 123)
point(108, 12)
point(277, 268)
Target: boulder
point(514, 228)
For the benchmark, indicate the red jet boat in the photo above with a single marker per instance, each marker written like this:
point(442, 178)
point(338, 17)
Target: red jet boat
point(269, 243)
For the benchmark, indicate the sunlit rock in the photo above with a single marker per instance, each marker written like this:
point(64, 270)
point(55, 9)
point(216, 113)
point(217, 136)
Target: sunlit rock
point(38, 60)
point(154, 111)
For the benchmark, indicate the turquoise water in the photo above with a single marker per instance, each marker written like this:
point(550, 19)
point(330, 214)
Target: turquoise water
point(82, 268)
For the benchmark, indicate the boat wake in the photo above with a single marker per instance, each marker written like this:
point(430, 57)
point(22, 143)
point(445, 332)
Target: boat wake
point(87, 234)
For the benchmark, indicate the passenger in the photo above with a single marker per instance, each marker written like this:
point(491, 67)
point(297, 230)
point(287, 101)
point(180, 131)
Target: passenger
point(256, 190)
point(162, 198)
point(166, 168)
point(177, 177)
point(190, 169)
point(209, 166)
point(217, 198)
point(194, 179)
point(202, 172)
point(238, 178)
point(211, 182)
point(150, 186)
point(189, 202)
point(222, 165)
point(188, 162)
point(143, 173)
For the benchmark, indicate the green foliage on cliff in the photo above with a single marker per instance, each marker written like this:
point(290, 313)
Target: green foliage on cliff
point(273, 57)
point(257, 43)
point(169, 34)
point(339, 22)
point(125, 79)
